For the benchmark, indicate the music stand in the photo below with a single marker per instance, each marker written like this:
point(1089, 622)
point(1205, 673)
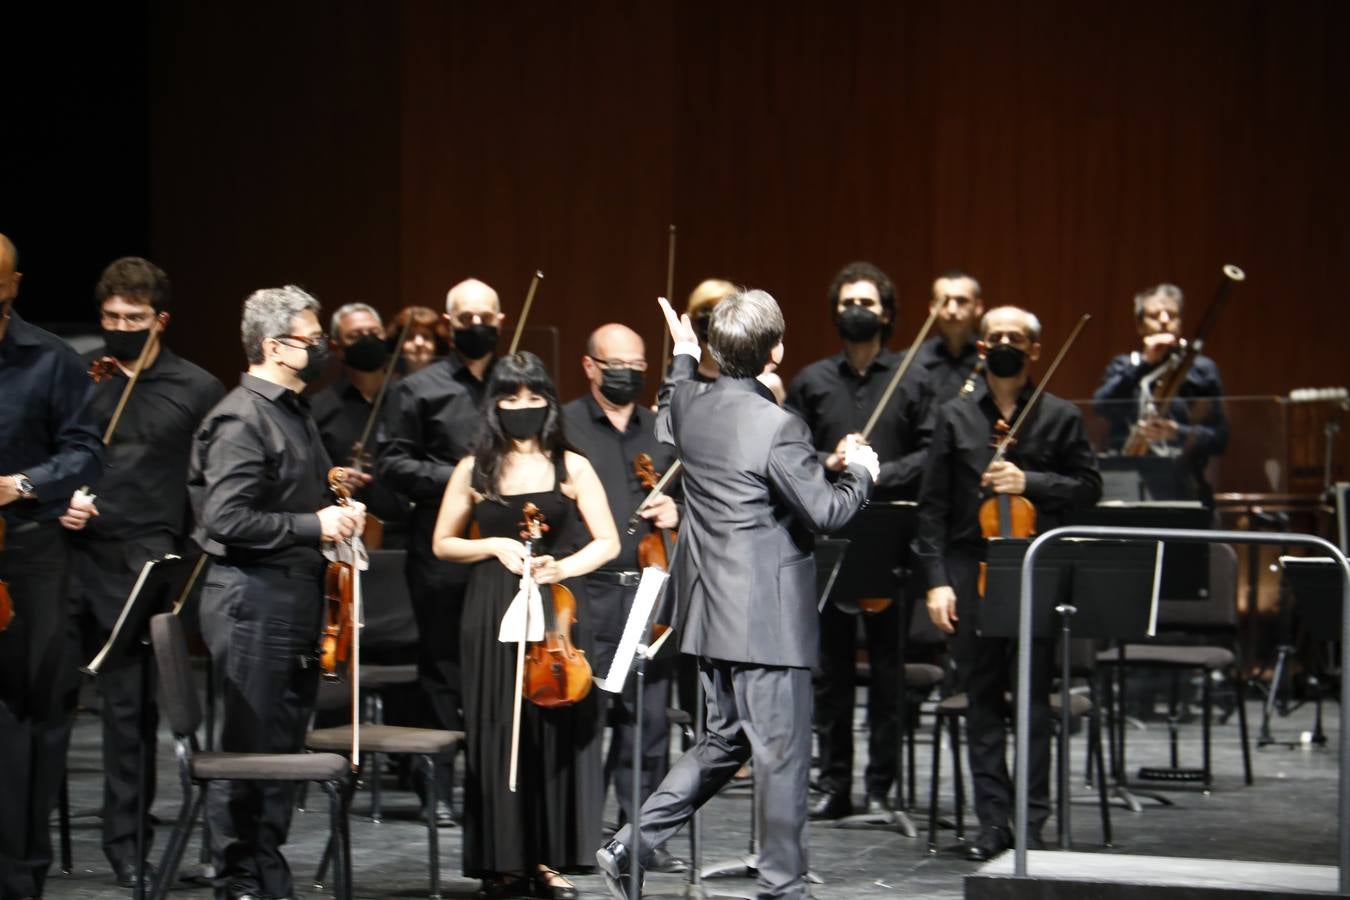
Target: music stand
point(1315, 584)
point(1103, 589)
point(157, 590)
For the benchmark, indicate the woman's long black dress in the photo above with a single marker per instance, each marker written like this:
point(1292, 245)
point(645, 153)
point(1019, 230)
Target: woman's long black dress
point(554, 816)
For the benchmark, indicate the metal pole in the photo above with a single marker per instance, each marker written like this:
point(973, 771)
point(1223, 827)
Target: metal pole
point(1184, 535)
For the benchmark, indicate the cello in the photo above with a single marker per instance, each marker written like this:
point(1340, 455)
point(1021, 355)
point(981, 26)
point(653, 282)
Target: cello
point(1013, 515)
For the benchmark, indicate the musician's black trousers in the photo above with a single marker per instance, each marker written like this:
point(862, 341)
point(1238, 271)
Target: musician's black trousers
point(986, 666)
point(262, 627)
point(835, 693)
point(437, 591)
point(102, 575)
point(34, 675)
point(608, 605)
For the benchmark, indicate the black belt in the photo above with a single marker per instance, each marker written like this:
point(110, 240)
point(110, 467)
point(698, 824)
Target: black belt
point(623, 579)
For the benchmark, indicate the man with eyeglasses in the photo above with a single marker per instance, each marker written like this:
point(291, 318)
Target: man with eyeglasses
point(138, 514)
point(950, 358)
point(49, 448)
point(259, 487)
point(836, 396)
point(1051, 465)
point(611, 428)
point(431, 420)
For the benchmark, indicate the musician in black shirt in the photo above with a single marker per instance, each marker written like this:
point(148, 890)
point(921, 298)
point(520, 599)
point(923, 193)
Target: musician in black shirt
point(951, 358)
point(430, 424)
point(49, 449)
point(258, 482)
point(836, 396)
point(611, 428)
point(1052, 465)
point(343, 409)
point(139, 514)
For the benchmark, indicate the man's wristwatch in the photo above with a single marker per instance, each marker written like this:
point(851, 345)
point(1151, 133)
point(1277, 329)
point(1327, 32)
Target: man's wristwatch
point(24, 487)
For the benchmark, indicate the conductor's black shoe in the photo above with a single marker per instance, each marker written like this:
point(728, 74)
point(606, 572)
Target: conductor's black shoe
point(989, 843)
point(125, 873)
point(832, 806)
point(664, 861)
point(445, 816)
point(615, 865)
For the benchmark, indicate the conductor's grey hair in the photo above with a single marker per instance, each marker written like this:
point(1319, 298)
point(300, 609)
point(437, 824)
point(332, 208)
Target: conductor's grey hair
point(743, 331)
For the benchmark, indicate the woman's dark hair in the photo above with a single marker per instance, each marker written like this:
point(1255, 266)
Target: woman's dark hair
point(509, 375)
point(865, 271)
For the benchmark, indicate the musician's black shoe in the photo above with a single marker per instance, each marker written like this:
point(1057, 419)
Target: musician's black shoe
point(876, 804)
point(664, 861)
point(550, 885)
point(125, 873)
point(831, 806)
point(445, 815)
point(615, 866)
point(989, 843)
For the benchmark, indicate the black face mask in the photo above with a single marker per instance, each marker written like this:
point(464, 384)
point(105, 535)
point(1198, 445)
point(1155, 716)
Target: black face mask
point(621, 385)
point(476, 341)
point(125, 345)
point(366, 354)
point(316, 362)
point(1005, 360)
point(522, 424)
point(857, 324)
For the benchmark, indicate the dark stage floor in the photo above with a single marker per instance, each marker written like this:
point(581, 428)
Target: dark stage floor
point(1288, 816)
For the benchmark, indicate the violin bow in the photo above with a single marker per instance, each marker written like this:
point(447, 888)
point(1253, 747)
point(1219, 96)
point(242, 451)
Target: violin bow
point(525, 312)
point(900, 372)
point(360, 447)
point(150, 343)
point(1008, 438)
point(666, 339)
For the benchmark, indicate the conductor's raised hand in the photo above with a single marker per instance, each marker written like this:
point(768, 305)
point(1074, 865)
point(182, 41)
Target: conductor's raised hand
point(681, 329)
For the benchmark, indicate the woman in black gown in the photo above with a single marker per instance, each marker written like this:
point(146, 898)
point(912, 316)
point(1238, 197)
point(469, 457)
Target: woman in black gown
point(551, 823)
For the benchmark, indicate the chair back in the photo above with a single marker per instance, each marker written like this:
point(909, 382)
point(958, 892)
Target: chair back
point(178, 689)
point(1218, 611)
point(390, 624)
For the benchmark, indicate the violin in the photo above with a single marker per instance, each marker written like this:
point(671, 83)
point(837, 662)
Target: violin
point(556, 672)
point(655, 548)
point(6, 602)
point(335, 644)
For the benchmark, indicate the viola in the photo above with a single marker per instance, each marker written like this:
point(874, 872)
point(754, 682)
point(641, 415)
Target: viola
point(556, 672)
point(6, 602)
point(335, 644)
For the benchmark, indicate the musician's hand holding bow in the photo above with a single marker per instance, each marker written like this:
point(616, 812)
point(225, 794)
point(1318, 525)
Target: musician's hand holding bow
point(662, 512)
point(339, 523)
point(79, 512)
point(1005, 478)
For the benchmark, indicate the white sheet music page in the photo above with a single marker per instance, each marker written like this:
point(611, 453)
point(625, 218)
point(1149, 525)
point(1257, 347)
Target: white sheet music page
point(648, 592)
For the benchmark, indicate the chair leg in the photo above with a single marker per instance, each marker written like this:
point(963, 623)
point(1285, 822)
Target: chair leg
point(339, 840)
point(375, 769)
point(1205, 737)
point(911, 774)
point(933, 783)
point(63, 820)
point(1061, 782)
point(193, 799)
point(958, 778)
point(1242, 727)
point(433, 833)
point(1095, 746)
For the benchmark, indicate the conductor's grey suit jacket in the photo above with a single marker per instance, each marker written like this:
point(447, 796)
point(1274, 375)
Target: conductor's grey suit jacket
point(755, 491)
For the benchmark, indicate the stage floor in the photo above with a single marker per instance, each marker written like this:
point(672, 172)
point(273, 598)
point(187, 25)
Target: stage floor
point(1289, 815)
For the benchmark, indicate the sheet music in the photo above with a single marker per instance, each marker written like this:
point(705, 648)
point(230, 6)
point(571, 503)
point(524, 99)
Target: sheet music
point(649, 590)
point(97, 661)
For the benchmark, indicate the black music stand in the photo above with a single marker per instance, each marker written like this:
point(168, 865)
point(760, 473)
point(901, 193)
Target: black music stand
point(158, 587)
point(1315, 584)
point(1100, 589)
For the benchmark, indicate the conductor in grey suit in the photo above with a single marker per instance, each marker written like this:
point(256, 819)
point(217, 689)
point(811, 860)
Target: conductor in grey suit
point(754, 493)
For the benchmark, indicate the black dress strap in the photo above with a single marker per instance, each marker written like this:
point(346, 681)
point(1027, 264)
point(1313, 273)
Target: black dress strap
point(559, 471)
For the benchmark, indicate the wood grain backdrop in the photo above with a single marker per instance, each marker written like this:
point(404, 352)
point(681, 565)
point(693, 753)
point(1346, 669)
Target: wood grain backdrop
point(1066, 153)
